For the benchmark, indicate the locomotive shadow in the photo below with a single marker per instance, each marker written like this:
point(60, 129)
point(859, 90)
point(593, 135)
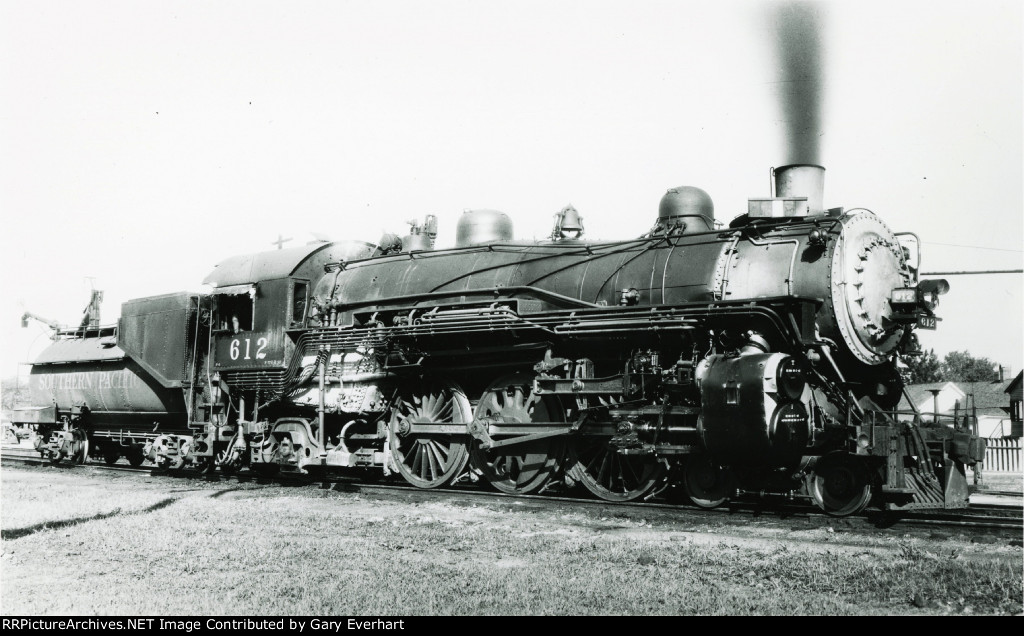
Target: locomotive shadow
point(18, 533)
point(236, 478)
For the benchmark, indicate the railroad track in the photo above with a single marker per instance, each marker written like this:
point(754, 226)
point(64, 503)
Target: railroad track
point(987, 517)
point(1000, 493)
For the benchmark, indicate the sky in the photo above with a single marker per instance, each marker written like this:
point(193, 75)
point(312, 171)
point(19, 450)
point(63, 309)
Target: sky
point(142, 142)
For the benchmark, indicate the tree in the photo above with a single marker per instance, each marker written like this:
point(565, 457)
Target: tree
point(961, 366)
point(12, 392)
point(923, 368)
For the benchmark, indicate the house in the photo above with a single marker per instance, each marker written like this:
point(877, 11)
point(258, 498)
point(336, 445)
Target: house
point(1014, 389)
point(990, 401)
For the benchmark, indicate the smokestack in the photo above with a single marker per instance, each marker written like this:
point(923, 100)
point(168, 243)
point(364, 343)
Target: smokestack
point(802, 180)
point(798, 43)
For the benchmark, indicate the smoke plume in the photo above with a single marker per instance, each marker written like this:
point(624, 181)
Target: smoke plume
point(798, 42)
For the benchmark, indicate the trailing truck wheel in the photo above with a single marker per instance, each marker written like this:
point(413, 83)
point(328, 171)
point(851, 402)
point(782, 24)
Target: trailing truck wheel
point(839, 486)
point(225, 463)
point(429, 459)
point(55, 457)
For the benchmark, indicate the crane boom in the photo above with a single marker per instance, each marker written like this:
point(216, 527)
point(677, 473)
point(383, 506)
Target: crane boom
point(52, 324)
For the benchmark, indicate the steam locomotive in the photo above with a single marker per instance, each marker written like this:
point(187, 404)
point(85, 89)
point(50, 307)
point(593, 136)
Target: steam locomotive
point(699, 359)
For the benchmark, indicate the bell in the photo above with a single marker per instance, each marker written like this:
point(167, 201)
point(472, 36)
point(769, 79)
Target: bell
point(568, 224)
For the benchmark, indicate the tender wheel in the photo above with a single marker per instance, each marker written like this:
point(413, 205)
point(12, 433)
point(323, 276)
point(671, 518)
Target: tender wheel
point(609, 474)
point(170, 463)
point(429, 460)
point(134, 455)
point(111, 455)
point(520, 468)
point(706, 485)
point(839, 486)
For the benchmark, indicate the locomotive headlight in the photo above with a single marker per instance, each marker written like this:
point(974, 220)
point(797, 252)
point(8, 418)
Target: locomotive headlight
point(932, 289)
point(790, 379)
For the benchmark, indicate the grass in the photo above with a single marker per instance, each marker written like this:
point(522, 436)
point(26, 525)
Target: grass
point(49, 503)
point(1010, 482)
point(282, 550)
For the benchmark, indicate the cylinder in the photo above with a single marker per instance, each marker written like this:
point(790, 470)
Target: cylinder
point(802, 180)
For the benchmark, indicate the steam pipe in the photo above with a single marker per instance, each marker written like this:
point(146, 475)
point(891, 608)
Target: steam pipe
point(321, 411)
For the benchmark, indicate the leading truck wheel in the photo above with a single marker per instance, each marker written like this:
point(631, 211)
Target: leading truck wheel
point(839, 486)
point(706, 484)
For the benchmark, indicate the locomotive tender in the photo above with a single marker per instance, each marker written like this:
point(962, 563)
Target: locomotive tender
point(697, 359)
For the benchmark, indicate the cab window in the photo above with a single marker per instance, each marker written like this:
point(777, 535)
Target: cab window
point(300, 298)
point(234, 312)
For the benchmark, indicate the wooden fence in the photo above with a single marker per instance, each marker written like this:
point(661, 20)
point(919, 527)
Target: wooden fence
point(1002, 455)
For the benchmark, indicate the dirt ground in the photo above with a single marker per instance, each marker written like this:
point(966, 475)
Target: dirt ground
point(84, 541)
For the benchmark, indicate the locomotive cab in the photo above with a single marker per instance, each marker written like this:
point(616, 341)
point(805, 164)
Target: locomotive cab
point(266, 305)
point(233, 309)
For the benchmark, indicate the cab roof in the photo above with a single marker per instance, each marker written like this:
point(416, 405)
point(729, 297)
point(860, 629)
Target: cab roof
point(252, 268)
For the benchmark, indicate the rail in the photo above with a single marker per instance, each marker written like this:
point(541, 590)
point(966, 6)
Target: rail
point(976, 518)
